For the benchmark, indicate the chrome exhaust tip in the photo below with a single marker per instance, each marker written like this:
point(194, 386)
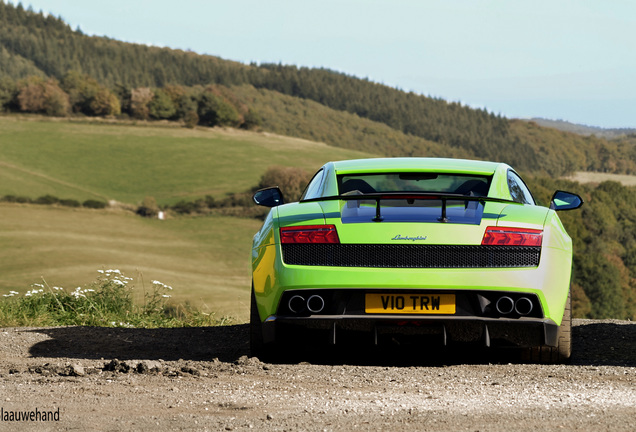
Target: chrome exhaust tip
point(505, 305)
point(523, 306)
point(296, 304)
point(315, 304)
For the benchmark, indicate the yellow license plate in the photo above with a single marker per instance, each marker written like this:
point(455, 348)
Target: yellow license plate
point(409, 303)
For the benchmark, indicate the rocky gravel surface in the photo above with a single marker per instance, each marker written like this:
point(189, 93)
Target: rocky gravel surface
point(105, 379)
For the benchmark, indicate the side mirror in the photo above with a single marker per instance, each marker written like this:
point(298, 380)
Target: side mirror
point(562, 200)
point(268, 197)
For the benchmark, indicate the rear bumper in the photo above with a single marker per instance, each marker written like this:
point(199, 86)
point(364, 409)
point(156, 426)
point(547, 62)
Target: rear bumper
point(549, 281)
point(372, 330)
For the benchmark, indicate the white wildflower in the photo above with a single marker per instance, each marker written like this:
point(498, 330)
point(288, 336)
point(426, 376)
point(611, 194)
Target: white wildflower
point(161, 284)
point(166, 296)
point(117, 282)
point(78, 293)
point(33, 292)
point(121, 324)
point(102, 272)
point(58, 288)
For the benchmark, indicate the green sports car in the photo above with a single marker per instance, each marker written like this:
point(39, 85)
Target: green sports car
point(421, 251)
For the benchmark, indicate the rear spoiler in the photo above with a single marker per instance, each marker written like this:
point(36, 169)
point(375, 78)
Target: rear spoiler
point(409, 196)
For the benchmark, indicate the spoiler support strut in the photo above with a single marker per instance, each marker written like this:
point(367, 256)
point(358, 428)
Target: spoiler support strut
point(377, 197)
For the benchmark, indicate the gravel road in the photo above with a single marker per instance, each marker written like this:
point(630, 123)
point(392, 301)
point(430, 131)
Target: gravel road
point(80, 378)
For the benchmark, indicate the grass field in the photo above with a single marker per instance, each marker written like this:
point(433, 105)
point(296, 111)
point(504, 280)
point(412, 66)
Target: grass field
point(593, 177)
point(127, 162)
point(205, 259)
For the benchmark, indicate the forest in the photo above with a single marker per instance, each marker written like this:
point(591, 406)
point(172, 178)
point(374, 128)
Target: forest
point(34, 46)
point(46, 67)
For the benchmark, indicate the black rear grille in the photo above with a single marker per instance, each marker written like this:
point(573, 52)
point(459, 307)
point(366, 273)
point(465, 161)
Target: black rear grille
point(410, 256)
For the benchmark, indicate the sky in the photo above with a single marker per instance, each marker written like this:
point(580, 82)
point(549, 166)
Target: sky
point(572, 60)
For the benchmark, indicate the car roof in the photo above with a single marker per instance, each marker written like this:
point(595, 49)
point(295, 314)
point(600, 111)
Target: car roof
point(378, 165)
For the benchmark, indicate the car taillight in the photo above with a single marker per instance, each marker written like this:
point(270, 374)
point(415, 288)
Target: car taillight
point(309, 234)
point(501, 236)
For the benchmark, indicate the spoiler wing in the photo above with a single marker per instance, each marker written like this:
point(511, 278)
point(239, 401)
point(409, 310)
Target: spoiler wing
point(378, 197)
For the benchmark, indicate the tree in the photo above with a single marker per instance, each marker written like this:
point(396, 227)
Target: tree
point(89, 97)
point(291, 181)
point(105, 103)
point(139, 99)
point(214, 110)
point(81, 90)
point(8, 94)
point(191, 119)
point(251, 120)
point(42, 96)
point(161, 106)
point(56, 100)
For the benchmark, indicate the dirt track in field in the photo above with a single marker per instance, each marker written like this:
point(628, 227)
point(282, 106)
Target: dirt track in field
point(203, 379)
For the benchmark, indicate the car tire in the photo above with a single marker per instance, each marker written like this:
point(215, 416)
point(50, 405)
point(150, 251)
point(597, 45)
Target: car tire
point(264, 352)
point(256, 329)
point(563, 351)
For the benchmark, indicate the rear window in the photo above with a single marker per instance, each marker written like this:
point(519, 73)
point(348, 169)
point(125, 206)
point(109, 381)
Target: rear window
point(463, 184)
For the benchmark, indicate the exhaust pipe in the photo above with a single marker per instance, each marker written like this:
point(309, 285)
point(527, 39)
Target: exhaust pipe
point(505, 305)
point(523, 306)
point(296, 304)
point(315, 304)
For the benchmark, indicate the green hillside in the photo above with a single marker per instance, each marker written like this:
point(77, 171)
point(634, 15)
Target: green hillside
point(126, 163)
point(147, 81)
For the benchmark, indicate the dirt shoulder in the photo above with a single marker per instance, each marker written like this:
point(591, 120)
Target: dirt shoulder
point(202, 379)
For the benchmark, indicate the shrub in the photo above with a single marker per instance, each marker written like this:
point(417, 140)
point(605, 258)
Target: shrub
point(186, 207)
point(70, 202)
point(94, 204)
point(292, 181)
point(47, 200)
point(236, 200)
point(16, 199)
point(148, 207)
point(210, 201)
